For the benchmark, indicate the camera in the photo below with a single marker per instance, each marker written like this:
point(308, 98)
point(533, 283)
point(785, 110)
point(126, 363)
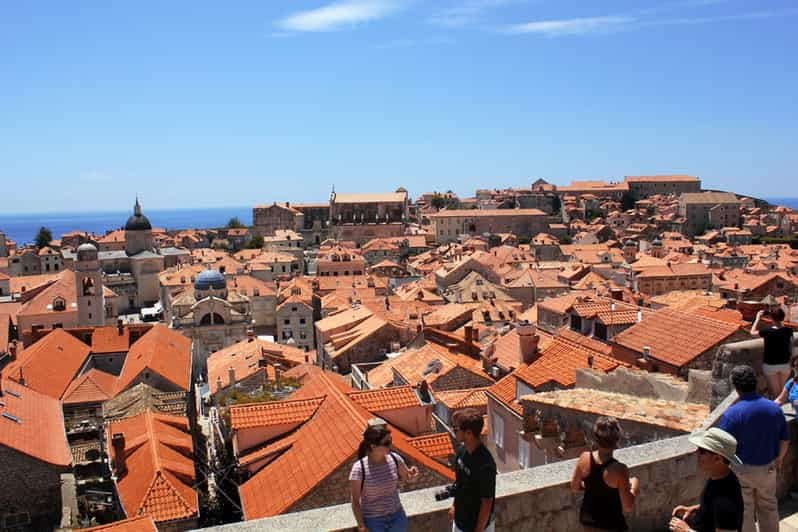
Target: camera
point(445, 493)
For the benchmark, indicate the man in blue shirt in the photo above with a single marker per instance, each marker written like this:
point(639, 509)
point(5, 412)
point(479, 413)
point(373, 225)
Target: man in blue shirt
point(762, 436)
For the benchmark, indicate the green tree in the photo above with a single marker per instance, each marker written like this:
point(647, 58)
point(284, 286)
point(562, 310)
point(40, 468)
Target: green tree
point(627, 201)
point(437, 201)
point(234, 223)
point(256, 242)
point(44, 237)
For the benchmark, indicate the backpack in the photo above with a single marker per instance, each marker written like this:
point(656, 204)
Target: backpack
point(363, 469)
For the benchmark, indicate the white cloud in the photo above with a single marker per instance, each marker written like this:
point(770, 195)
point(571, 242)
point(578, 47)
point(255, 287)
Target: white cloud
point(572, 26)
point(337, 15)
point(722, 18)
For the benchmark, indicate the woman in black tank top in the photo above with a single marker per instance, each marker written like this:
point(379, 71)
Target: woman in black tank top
point(606, 483)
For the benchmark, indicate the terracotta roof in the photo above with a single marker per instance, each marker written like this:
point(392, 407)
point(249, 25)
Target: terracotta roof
point(142, 523)
point(504, 391)
point(273, 413)
point(708, 197)
point(42, 303)
point(49, 365)
point(5, 329)
point(675, 337)
point(382, 399)
point(454, 399)
point(160, 466)
point(680, 416)
point(507, 348)
point(479, 213)
point(370, 197)
point(412, 364)
point(162, 351)
point(559, 361)
point(109, 340)
point(33, 424)
point(244, 358)
point(318, 448)
point(27, 282)
point(661, 179)
point(438, 446)
point(94, 386)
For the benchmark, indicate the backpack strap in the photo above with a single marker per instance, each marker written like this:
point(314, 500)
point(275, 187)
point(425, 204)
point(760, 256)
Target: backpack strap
point(363, 477)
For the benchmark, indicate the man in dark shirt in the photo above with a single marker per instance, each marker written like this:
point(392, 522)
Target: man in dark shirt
point(721, 507)
point(475, 470)
point(763, 439)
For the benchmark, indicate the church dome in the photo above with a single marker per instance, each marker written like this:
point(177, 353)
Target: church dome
point(88, 246)
point(210, 279)
point(137, 222)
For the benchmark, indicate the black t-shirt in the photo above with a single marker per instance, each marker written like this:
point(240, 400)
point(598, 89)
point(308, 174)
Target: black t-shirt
point(777, 345)
point(721, 506)
point(476, 480)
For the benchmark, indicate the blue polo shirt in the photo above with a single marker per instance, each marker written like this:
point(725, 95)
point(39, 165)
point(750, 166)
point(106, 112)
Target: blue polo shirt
point(759, 426)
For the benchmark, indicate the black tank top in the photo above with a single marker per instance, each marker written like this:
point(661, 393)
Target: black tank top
point(601, 507)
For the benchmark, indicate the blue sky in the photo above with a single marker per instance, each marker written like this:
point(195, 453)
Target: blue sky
point(201, 104)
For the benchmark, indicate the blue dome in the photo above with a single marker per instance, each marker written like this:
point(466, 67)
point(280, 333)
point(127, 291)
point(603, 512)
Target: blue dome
point(210, 279)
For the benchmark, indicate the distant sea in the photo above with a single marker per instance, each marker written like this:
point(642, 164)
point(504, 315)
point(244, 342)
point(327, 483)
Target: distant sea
point(784, 202)
point(22, 228)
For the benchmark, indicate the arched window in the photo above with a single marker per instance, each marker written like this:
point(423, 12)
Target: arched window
point(88, 286)
point(212, 318)
point(59, 303)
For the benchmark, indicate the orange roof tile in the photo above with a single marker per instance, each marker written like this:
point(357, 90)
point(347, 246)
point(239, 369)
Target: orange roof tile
point(109, 340)
point(471, 398)
point(141, 523)
point(504, 391)
point(162, 351)
point(273, 413)
point(33, 424)
point(559, 361)
point(160, 466)
point(413, 363)
point(49, 365)
point(382, 399)
point(244, 358)
point(94, 386)
point(42, 303)
point(435, 445)
point(675, 337)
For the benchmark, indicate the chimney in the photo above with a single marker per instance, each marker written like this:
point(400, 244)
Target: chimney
point(278, 373)
point(469, 333)
point(12, 350)
point(529, 341)
point(231, 375)
point(307, 358)
point(120, 329)
point(218, 383)
point(21, 379)
point(118, 443)
point(639, 316)
point(646, 352)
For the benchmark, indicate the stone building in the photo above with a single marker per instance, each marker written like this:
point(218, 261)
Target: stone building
point(362, 217)
point(448, 225)
point(705, 210)
point(310, 220)
point(34, 455)
point(211, 315)
point(340, 261)
point(645, 186)
point(297, 308)
point(658, 280)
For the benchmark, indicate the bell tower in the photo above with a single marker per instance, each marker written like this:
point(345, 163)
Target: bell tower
point(89, 286)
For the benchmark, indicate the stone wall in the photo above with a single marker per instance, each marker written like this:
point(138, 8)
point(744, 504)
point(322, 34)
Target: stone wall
point(32, 486)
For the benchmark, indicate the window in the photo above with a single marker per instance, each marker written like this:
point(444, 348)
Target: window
point(523, 453)
point(286, 322)
point(498, 431)
point(302, 321)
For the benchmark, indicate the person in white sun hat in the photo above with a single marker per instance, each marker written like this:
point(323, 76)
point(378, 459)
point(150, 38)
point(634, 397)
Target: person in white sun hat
point(721, 506)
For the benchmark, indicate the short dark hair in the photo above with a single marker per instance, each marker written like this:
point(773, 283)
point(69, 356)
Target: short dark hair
point(743, 378)
point(777, 314)
point(469, 419)
point(607, 432)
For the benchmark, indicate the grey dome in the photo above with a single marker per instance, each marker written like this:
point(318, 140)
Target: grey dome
point(657, 242)
point(137, 222)
point(210, 279)
point(88, 246)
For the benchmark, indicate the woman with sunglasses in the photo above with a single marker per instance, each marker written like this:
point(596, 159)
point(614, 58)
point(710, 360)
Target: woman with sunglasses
point(790, 390)
point(374, 482)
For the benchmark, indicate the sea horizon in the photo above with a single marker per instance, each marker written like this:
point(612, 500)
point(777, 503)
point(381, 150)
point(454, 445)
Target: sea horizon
point(22, 227)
